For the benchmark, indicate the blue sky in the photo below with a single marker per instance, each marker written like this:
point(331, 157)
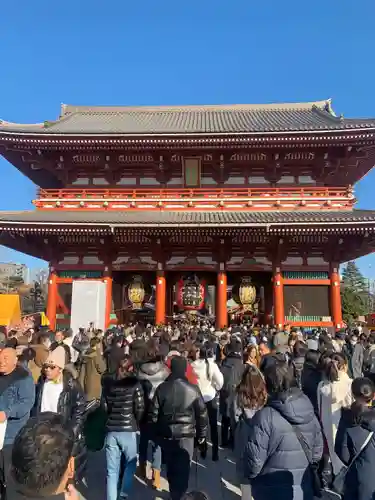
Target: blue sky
point(173, 52)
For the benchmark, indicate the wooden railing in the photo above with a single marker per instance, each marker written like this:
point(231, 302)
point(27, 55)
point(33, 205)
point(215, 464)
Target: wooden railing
point(200, 193)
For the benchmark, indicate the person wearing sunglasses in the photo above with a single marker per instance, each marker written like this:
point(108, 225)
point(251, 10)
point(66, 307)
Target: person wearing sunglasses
point(58, 392)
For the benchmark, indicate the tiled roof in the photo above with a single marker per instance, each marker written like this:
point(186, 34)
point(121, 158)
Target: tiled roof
point(182, 218)
point(181, 120)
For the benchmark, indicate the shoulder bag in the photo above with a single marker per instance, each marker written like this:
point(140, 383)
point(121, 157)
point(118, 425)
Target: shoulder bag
point(339, 481)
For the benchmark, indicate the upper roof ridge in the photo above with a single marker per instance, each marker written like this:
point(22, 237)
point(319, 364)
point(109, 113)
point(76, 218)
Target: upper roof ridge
point(71, 108)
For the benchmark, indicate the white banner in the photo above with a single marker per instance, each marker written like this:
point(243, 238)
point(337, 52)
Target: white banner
point(88, 304)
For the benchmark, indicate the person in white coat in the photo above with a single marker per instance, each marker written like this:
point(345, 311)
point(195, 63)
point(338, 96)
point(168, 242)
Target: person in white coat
point(334, 393)
point(210, 381)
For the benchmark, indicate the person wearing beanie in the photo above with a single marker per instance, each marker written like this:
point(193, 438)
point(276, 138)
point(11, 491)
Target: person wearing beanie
point(58, 392)
point(178, 414)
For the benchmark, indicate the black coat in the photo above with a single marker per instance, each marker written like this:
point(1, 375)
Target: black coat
point(177, 410)
point(310, 379)
point(353, 430)
point(124, 401)
point(232, 369)
point(71, 406)
point(274, 460)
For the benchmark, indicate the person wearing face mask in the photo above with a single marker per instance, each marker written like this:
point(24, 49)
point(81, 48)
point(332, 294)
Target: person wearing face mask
point(354, 353)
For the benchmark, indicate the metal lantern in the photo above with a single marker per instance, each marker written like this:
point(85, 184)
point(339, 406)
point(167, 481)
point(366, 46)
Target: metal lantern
point(190, 293)
point(247, 294)
point(136, 292)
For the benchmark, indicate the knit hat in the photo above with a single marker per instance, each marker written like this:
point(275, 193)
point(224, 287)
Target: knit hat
point(56, 358)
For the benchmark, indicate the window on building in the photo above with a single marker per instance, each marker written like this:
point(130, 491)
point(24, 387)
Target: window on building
point(192, 172)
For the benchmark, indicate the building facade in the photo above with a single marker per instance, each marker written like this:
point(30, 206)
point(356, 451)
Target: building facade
point(241, 210)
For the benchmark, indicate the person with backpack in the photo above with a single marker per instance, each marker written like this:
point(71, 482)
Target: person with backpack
point(355, 442)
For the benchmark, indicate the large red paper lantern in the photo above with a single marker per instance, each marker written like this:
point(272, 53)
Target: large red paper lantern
point(191, 293)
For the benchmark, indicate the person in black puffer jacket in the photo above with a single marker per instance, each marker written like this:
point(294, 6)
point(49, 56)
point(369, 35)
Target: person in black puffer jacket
point(355, 426)
point(275, 463)
point(179, 415)
point(124, 401)
point(232, 368)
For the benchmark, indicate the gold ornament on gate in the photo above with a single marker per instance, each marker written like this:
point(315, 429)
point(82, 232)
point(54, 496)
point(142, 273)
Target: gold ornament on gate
point(247, 294)
point(136, 292)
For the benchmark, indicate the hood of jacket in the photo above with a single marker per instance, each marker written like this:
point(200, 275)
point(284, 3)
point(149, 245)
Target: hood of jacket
point(294, 406)
point(152, 368)
point(359, 415)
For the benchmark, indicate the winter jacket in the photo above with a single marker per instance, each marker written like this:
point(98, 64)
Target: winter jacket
point(369, 360)
point(153, 372)
point(232, 369)
point(310, 380)
point(332, 397)
point(190, 374)
point(124, 401)
point(210, 378)
point(71, 406)
point(243, 422)
point(298, 368)
point(40, 356)
point(354, 428)
point(17, 396)
point(178, 410)
point(90, 375)
point(274, 460)
point(354, 355)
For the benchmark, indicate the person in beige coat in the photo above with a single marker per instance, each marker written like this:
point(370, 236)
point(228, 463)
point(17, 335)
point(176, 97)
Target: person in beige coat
point(92, 368)
point(334, 393)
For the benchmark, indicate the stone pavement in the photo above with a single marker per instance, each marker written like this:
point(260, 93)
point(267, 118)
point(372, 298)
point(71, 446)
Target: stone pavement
point(217, 479)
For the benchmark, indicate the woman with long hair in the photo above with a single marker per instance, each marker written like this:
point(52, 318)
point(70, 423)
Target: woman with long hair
point(284, 441)
point(334, 393)
point(354, 431)
point(210, 381)
point(251, 356)
point(251, 395)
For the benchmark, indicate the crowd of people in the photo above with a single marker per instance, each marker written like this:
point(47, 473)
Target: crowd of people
point(295, 407)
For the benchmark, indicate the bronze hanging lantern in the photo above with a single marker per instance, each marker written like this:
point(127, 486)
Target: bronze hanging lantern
point(136, 292)
point(247, 294)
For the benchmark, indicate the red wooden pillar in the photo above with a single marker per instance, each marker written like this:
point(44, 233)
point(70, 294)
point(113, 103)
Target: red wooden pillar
point(336, 311)
point(221, 301)
point(108, 298)
point(278, 298)
point(52, 299)
point(161, 292)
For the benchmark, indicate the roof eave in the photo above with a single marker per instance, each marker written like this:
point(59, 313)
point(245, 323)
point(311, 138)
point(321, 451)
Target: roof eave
point(133, 225)
point(82, 139)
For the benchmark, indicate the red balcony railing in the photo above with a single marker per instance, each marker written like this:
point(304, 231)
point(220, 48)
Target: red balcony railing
point(199, 193)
